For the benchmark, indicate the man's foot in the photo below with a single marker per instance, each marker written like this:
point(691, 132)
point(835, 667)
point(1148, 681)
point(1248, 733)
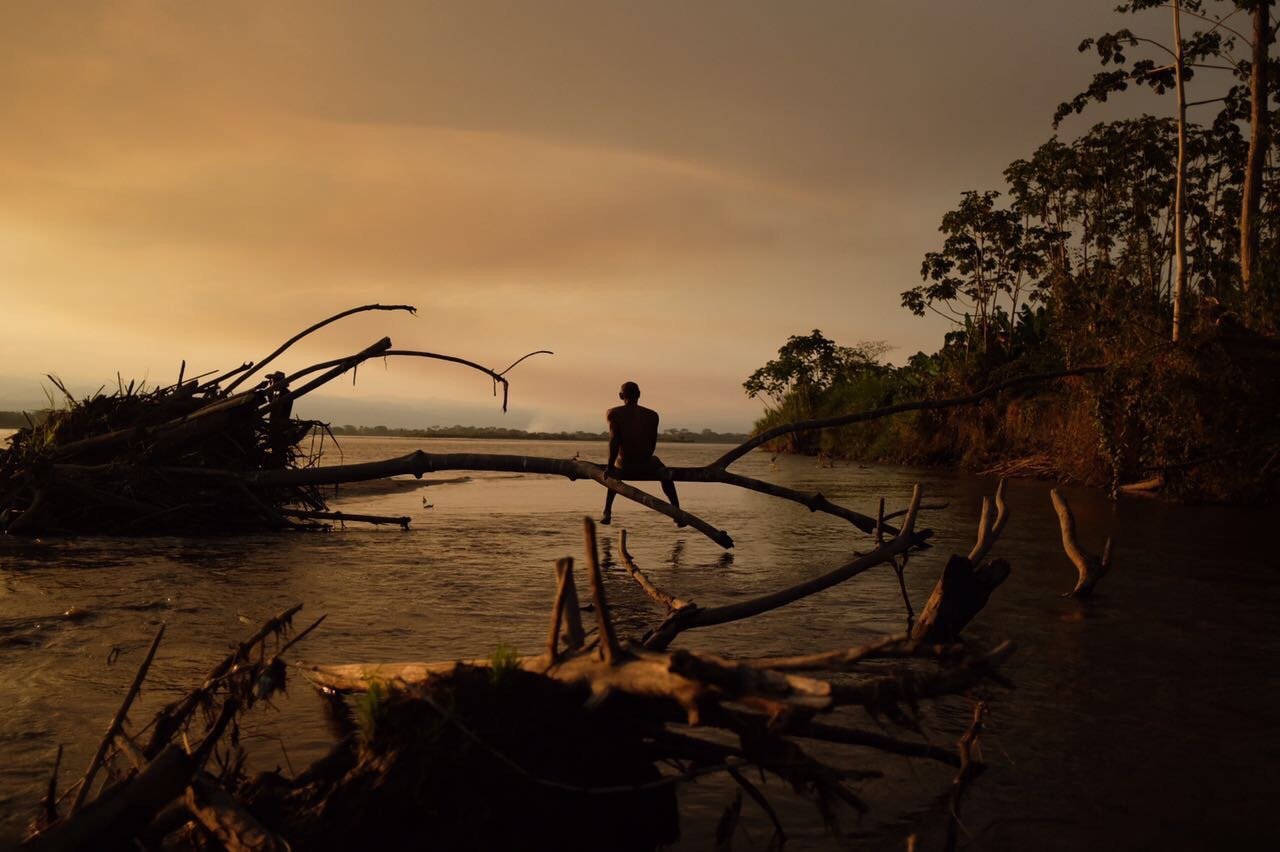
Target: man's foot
point(606, 519)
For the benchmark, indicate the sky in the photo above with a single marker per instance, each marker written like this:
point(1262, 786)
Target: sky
point(656, 191)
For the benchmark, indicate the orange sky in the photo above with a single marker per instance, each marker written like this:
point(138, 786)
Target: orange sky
point(658, 191)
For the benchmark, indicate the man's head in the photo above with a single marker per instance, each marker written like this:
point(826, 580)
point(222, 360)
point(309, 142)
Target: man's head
point(276, 379)
point(630, 392)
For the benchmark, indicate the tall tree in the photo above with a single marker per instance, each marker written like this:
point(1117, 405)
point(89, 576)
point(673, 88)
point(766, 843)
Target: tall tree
point(1180, 182)
point(1259, 139)
point(1207, 48)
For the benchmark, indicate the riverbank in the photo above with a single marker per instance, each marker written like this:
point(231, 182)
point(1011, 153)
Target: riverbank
point(1196, 421)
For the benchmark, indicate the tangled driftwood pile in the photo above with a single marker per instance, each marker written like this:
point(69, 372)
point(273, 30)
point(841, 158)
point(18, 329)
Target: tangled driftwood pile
point(581, 745)
point(183, 457)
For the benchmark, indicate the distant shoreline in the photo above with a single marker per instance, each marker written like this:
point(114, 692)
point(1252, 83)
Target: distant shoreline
point(671, 436)
point(17, 420)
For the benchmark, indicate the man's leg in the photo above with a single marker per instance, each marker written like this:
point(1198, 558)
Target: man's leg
point(668, 487)
point(607, 517)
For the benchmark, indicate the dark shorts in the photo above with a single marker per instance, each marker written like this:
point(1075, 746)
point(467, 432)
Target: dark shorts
point(651, 466)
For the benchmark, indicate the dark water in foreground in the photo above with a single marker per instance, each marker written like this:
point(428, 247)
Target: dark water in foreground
point(1144, 719)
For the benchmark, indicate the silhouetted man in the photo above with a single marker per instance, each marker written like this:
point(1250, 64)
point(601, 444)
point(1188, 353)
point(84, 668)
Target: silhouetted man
point(633, 433)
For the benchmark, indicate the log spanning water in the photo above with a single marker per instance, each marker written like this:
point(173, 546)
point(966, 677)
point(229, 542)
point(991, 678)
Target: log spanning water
point(200, 456)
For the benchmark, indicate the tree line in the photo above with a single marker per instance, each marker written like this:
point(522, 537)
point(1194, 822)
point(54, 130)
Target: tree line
point(1105, 248)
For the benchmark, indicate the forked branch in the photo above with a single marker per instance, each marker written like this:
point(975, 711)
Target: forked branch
point(967, 582)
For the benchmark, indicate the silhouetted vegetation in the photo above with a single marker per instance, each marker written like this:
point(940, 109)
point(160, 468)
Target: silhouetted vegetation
point(19, 419)
point(1077, 260)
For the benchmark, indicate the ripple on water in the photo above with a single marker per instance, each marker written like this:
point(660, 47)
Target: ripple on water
point(1118, 699)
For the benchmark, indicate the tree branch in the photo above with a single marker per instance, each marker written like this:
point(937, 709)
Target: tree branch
point(292, 340)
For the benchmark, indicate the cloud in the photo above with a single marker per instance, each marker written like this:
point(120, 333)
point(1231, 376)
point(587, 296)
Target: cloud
point(662, 191)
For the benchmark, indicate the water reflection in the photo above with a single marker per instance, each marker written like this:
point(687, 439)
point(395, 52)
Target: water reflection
point(1081, 751)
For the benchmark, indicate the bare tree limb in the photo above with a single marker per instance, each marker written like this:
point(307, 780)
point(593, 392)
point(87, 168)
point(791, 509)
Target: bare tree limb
point(968, 768)
point(1090, 568)
point(292, 340)
point(117, 721)
point(342, 366)
point(966, 583)
point(670, 602)
point(692, 616)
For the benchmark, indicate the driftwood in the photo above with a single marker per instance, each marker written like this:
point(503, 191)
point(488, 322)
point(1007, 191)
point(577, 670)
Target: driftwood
point(967, 581)
point(690, 617)
point(969, 767)
point(166, 784)
point(117, 722)
point(228, 820)
point(342, 517)
point(626, 692)
point(759, 700)
point(1090, 568)
point(250, 368)
point(104, 464)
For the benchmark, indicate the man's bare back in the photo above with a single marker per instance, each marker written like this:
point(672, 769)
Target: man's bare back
point(633, 435)
point(635, 428)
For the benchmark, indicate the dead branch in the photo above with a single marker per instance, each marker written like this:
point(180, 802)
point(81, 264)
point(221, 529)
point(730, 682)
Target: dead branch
point(343, 517)
point(121, 810)
point(498, 378)
point(966, 583)
point(49, 804)
point(692, 616)
point(989, 530)
point(909, 688)
point(807, 728)
point(564, 578)
point(344, 365)
point(574, 636)
point(227, 820)
point(968, 768)
point(897, 647)
point(172, 716)
point(419, 463)
point(669, 602)
point(292, 340)
point(1089, 567)
point(610, 650)
point(117, 722)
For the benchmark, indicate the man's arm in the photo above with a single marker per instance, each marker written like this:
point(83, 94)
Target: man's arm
point(615, 444)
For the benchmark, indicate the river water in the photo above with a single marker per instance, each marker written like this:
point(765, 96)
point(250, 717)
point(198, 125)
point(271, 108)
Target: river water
point(1143, 719)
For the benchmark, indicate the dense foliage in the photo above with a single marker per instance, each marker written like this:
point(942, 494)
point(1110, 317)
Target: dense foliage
point(1073, 261)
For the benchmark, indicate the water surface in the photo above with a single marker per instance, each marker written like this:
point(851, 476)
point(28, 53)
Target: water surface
point(1143, 719)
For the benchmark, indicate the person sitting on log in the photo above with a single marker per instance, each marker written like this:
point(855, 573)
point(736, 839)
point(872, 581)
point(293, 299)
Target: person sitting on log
point(633, 434)
point(280, 431)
